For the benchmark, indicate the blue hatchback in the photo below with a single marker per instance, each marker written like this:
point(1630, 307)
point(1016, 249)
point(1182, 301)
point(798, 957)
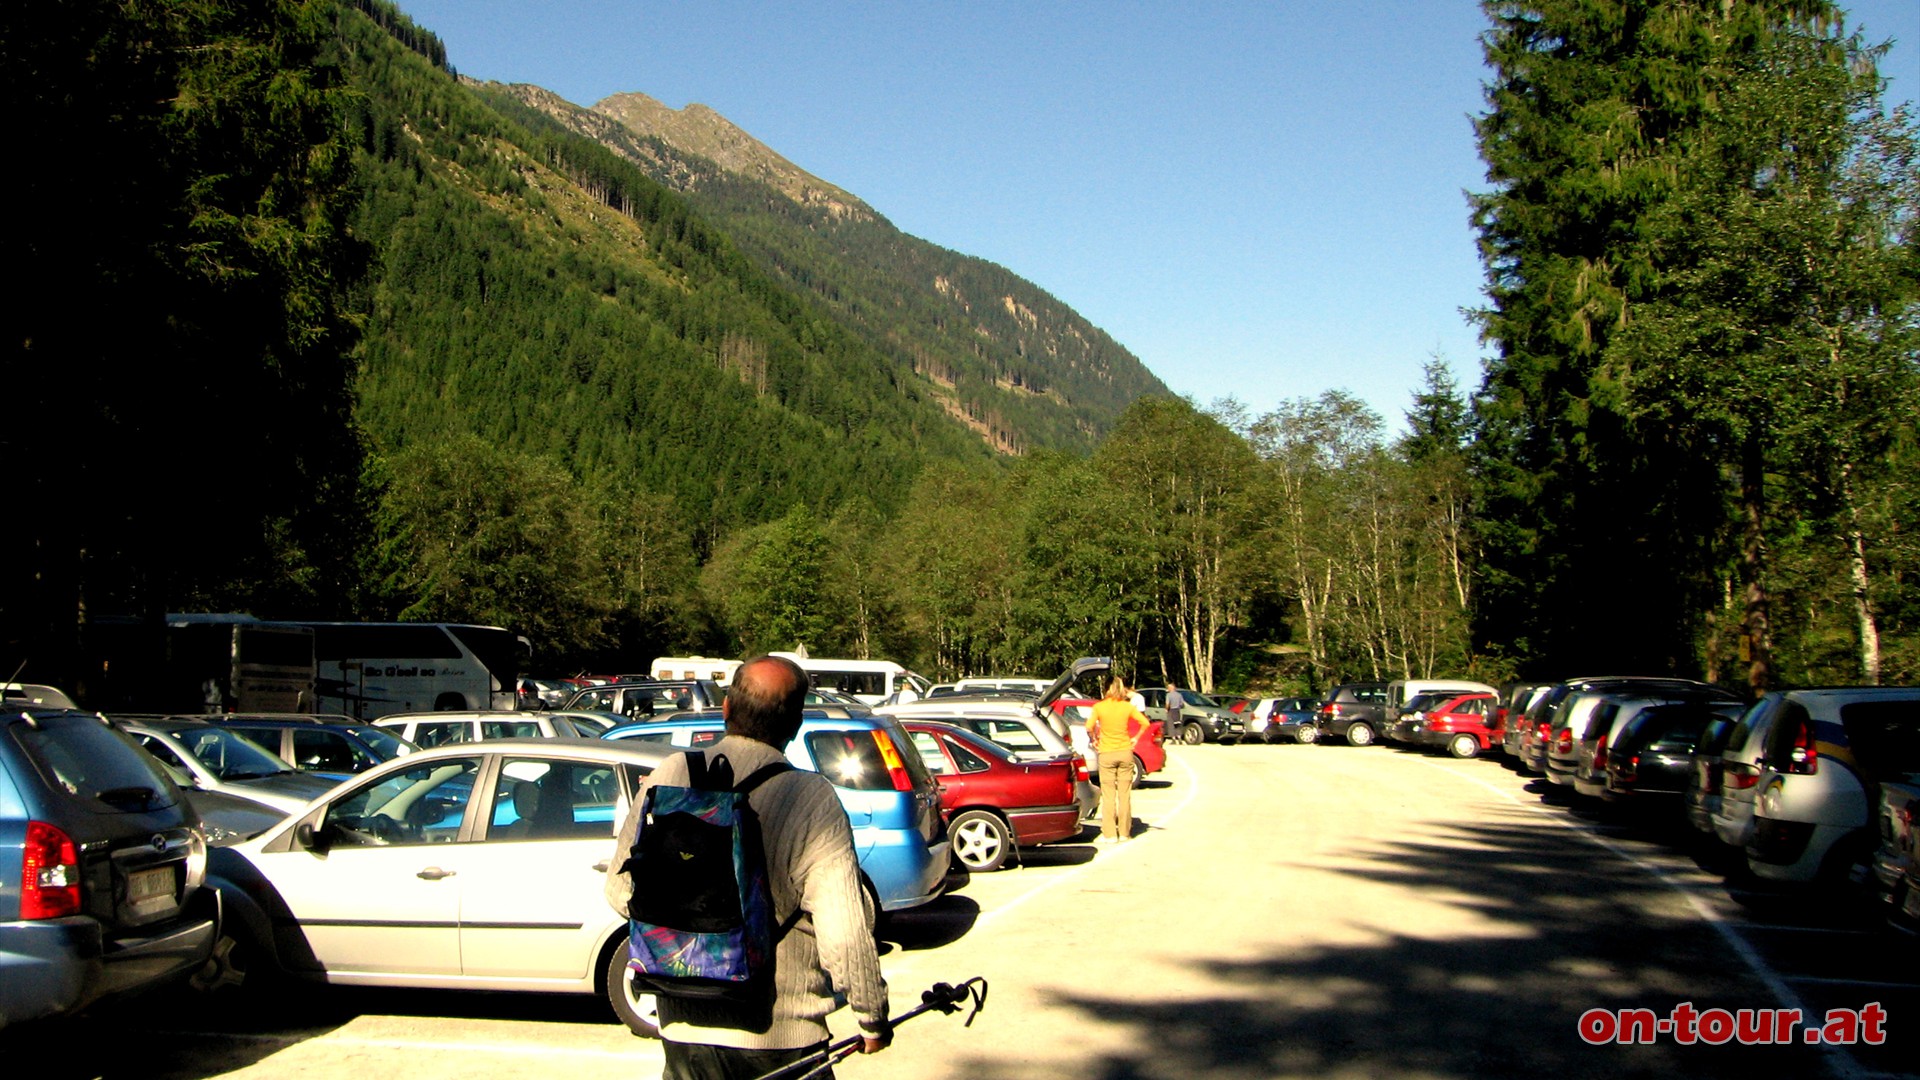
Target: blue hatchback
point(890, 797)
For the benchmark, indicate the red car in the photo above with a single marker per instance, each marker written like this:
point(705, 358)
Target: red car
point(1149, 753)
point(1462, 724)
point(991, 801)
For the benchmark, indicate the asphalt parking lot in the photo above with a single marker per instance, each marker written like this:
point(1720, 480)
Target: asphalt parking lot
point(1284, 911)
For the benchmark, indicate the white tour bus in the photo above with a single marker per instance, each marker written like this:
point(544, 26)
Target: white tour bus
point(874, 682)
point(370, 670)
point(693, 667)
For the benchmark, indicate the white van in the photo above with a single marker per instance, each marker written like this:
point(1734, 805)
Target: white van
point(1399, 693)
point(872, 682)
point(693, 667)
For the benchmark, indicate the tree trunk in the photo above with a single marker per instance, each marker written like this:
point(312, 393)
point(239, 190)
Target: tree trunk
point(1753, 564)
point(1869, 628)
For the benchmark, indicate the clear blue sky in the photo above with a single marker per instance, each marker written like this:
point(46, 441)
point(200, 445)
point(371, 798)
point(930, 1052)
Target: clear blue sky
point(1259, 199)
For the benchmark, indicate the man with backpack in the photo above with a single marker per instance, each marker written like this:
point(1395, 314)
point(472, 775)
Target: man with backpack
point(820, 937)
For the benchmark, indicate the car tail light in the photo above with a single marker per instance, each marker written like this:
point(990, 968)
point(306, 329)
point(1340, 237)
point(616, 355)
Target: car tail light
point(49, 874)
point(1600, 754)
point(1738, 777)
point(1543, 729)
point(1802, 757)
point(1564, 743)
point(896, 768)
point(1709, 778)
point(1627, 771)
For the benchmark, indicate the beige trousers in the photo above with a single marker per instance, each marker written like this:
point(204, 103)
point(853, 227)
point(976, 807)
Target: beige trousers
point(1116, 795)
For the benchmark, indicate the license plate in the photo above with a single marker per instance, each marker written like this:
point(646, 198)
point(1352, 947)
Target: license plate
point(150, 890)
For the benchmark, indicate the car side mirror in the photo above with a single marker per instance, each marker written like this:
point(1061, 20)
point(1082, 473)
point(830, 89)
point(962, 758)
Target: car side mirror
point(310, 838)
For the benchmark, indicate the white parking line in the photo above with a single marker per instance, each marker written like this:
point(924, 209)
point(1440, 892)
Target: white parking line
point(1842, 1064)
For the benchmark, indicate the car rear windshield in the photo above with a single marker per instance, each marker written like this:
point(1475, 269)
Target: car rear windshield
point(81, 757)
point(1885, 736)
point(852, 758)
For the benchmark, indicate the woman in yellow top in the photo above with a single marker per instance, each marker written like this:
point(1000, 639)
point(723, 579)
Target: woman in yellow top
point(1112, 729)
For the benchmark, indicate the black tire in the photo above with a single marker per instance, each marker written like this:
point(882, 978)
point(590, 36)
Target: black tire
point(1192, 734)
point(637, 1011)
point(1139, 771)
point(981, 840)
point(1360, 734)
point(1463, 746)
point(1306, 734)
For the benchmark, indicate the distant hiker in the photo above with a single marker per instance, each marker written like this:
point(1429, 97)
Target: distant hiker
point(1113, 728)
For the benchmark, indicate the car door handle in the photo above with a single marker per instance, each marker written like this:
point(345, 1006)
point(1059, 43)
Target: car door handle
point(434, 873)
point(600, 867)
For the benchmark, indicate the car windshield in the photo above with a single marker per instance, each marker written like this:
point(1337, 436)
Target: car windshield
point(1194, 698)
point(1425, 702)
point(228, 755)
point(384, 742)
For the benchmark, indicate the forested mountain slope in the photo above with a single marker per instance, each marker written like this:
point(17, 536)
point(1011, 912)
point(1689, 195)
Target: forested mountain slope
point(1019, 366)
point(535, 289)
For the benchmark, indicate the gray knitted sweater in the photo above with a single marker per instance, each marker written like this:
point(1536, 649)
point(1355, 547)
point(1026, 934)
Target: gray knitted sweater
point(812, 868)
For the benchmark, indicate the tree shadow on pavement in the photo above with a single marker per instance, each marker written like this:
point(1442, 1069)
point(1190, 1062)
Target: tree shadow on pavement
point(1548, 926)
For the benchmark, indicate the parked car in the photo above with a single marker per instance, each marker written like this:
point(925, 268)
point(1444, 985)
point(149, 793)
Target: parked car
point(1702, 793)
point(1355, 712)
point(430, 729)
point(15, 695)
point(969, 686)
point(994, 803)
point(889, 795)
point(338, 745)
point(1559, 718)
point(1455, 721)
point(1827, 752)
point(1613, 716)
point(465, 866)
point(101, 868)
point(209, 757)
point(1515, 697)
point(638, 699)
point(1202, 719)
point(1277, 720)
point(1401, 692)
point(1896, 862)
point(543, 693)
point(1648, 763)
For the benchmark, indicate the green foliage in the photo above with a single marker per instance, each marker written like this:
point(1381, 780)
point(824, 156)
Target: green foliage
point(193, 182)
point(1592, 106)
point(767, 582)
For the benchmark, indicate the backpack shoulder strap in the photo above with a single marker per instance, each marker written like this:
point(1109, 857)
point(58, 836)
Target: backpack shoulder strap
point(696, 769)
point(761, 775)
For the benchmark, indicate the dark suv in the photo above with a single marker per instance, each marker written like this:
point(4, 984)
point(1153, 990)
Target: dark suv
point(1355, 712)
point(101, 863)
point(643, 699)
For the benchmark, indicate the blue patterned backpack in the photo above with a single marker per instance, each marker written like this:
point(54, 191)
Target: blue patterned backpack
point(702, 911)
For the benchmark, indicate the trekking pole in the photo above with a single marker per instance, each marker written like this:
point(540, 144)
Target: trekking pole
point(940, 997)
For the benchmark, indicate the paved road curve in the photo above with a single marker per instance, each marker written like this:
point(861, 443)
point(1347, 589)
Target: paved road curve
point(1285, 911)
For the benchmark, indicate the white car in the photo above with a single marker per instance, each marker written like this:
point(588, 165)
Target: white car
point(1826, 753)
point(471, 866)
point(440, 728)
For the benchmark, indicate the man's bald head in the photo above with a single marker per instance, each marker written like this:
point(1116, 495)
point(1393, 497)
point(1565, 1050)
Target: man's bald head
point(765, 699)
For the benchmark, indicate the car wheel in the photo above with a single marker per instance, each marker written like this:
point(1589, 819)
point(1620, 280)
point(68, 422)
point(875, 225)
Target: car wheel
point(1360, 735)
point(1463, 746)
point(640, 1012)
point(1139, 771)
point(1306, 733)
point(981, 840)
point(1193, 734)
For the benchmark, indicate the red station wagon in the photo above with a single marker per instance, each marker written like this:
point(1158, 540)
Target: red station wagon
point(992, 801)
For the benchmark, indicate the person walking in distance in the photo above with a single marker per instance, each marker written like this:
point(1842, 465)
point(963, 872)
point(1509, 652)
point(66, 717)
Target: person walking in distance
point(1175, 732)
point(1112, 729)
point(814, 876)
